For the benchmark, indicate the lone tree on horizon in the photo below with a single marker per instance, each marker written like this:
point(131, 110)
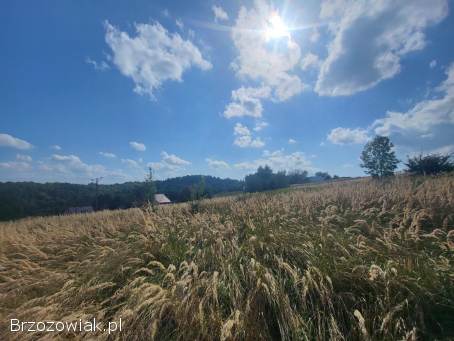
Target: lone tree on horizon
point(378, 157)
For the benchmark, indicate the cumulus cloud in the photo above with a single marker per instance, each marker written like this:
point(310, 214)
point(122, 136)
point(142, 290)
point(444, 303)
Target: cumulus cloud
point(433, 63)
point(258, 60)
point(169, 162)
point(392, 30)
point(291, 141)
point(73, 165)
point(279, 160)
point(55, 147)
point(172, 159)
point(219, 13)
point(348, 136)
point(246, 102)
point(244, 138)
point(260, 125)
point(153, 56)
point(425, 115)
point(22, 164)
point(140, 147)
point(108, 155)
point(216, 164)
point(7, 140)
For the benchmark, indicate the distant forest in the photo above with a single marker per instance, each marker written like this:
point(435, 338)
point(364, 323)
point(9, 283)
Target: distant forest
point(23, 199)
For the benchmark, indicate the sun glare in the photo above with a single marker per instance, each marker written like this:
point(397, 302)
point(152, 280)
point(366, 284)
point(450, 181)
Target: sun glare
point(276, 28)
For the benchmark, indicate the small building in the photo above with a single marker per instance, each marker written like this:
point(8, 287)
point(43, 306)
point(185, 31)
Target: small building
point(161, 199)
point(78, 210)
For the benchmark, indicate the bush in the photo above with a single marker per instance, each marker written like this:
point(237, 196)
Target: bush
point(429, 164)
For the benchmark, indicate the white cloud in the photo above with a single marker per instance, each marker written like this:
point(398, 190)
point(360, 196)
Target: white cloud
point(433, 63)
point(348, 136)
point(370, 38)
point(98, 66)
point(219, 13)
point(258, 60)
point(14, 142)
point(425, 115)
point(55, 147)
point(130, 163)
point(310, 60)
point(140, 147)
point(244, 138)
point(448, 149)
point(72, 164)
point(18, 166)
point(260, 125)
point(152, 56)
point(240, 129)
point(169, 162)
point(216, 163)
point(108, 155)
point(172, 159)
point(246, 102)
point(246, 141)
point(24, 158)
point(278, 160)
point(291, 141)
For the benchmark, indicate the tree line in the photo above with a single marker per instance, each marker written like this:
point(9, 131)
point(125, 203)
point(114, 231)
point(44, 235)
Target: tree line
point(379, 160)
point(23, 199)
point(265, 179)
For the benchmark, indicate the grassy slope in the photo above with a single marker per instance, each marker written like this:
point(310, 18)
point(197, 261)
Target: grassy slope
point(352, 260)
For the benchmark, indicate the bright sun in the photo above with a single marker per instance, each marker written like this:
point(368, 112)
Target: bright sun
point(276, 28)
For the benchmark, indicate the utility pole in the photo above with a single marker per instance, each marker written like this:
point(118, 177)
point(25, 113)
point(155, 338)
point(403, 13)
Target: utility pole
point(150, 174)
point(150, 186)
point(96, 181)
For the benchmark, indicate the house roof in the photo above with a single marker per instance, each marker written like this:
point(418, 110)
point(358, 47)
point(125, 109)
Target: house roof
point(161, 199)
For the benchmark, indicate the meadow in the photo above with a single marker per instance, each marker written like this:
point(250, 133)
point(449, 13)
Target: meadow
point(354, 260)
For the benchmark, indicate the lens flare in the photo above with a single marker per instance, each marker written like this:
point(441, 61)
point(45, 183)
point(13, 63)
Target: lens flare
point(276, 28)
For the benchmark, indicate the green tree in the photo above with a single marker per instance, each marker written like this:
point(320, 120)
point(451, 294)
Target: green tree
point(297, 177)
point(324, 175)
point(429, 164)
point(378, 158)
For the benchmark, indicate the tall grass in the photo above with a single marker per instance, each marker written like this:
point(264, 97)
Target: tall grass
point(360, 260)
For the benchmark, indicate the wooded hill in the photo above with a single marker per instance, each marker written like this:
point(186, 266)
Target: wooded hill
point(23, 199)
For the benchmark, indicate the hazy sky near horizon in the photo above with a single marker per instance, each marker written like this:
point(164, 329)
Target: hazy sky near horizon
point(109, 88)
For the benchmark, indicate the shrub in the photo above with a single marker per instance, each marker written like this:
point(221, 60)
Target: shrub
point(429, 164)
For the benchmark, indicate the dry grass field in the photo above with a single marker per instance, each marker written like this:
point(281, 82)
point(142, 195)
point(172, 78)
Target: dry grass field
point(360, 260)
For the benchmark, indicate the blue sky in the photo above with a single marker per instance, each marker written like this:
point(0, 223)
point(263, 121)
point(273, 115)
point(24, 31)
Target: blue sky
point(109, 88)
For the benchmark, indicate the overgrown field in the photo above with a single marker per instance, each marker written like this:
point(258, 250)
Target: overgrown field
point(355, 261)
